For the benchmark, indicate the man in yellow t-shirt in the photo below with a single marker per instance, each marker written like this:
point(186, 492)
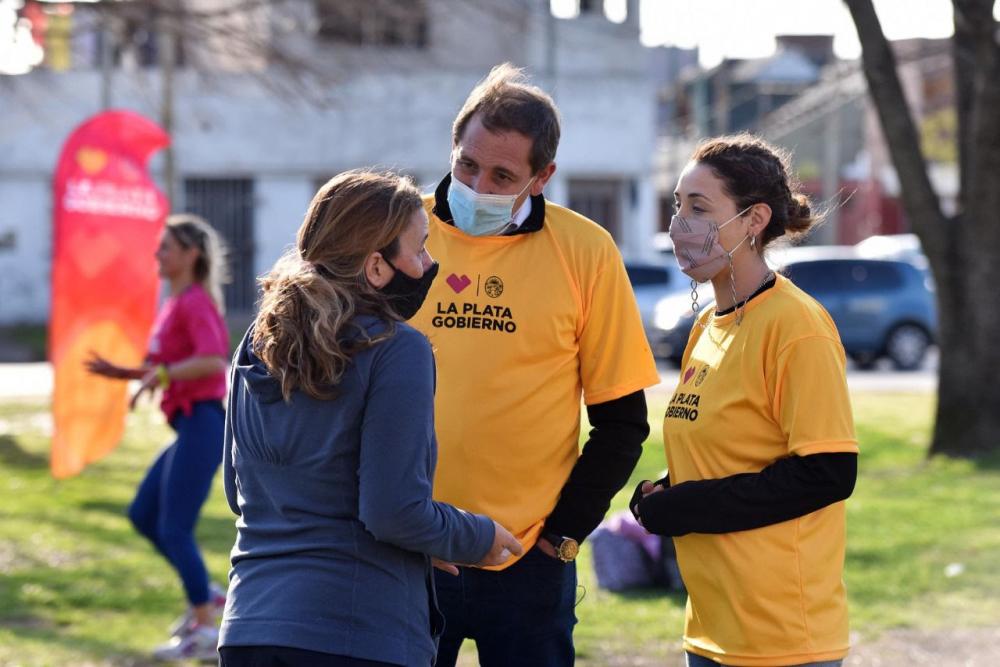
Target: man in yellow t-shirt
point(533, 311)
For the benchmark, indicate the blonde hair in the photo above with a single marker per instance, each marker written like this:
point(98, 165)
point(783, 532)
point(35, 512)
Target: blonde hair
point(309, 298)
point(211, 270)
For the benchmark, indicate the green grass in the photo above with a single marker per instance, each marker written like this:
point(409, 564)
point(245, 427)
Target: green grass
point(78, 587)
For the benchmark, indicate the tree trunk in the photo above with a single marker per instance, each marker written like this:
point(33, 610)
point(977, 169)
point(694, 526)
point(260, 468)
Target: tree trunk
point(968, 419)
point(963, 250)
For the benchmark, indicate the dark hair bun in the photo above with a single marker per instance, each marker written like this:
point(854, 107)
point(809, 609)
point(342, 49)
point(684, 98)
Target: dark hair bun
point(800, 216)
point(753, 171)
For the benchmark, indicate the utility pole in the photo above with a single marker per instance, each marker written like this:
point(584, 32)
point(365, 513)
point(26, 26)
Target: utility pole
point(108, 39)
point(829, 232)
point(167, 57)
point(551, 48)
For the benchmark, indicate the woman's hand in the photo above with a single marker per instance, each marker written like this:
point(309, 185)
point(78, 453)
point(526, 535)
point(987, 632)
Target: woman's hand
point(643, 489)
point(445, 566)
point(98, 365)
point(504, 546)
point(150, 381)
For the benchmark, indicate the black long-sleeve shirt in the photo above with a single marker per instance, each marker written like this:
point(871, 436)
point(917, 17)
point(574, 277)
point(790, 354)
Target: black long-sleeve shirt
point(619, 428)
point(787, 489)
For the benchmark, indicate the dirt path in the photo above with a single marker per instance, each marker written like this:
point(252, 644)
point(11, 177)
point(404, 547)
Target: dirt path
point(974, 647)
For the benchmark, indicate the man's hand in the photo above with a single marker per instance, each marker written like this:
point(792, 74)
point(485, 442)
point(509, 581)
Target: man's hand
point(547, 548)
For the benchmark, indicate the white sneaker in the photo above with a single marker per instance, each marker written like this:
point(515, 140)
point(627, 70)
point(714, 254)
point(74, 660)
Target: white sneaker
point(217, 596)
point(199, 643)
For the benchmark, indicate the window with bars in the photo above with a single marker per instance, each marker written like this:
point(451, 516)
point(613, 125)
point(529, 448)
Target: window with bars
point(400, 23)
point(600, 200)
point(228, 205)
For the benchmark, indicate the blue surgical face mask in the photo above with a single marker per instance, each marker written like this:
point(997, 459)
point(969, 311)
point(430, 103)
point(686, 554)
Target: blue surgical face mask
point(478, 214)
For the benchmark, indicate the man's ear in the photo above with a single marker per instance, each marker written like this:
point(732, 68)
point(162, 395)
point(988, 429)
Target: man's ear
point(542, 178)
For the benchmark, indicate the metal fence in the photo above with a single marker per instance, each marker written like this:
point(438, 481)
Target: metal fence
point(228, 205)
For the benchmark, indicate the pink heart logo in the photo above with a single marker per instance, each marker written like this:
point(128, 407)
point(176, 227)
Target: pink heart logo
point(687, 374)
point(458, 284)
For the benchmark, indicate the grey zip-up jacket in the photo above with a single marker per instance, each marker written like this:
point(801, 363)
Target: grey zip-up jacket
point(336, 524)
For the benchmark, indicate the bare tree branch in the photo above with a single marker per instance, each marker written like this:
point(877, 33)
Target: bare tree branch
point(879, 63)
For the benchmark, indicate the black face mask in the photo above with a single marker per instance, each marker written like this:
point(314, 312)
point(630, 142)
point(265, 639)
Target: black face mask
point(406, 294)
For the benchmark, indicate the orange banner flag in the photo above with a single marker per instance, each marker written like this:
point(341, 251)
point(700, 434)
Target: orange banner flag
point(108, 215)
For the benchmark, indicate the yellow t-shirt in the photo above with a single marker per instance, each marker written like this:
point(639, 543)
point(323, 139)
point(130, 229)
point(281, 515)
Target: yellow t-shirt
point(750, 394)
point(521, 326)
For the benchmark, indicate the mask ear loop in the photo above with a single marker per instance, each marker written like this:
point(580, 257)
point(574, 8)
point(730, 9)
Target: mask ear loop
point(732, 287)
point(740, 307)
point(695, 306)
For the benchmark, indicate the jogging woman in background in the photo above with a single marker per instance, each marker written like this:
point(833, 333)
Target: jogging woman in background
point(187, 357)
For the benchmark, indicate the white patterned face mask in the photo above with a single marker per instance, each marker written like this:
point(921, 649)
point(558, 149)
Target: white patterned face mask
point(696, 246)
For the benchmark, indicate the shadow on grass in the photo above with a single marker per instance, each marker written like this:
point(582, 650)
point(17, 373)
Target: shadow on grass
point(44, 632)
point(106, 506)
point(988, 462)
point(15, 456)
point(214, 534)
point(867, 558)
point(217, 534)
point(648, 593)
point(39, 607)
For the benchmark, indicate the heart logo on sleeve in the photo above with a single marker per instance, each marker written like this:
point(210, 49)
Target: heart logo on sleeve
point(687, 374)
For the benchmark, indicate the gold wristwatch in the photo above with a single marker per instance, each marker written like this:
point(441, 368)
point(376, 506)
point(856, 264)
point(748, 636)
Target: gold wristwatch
point(566, 547)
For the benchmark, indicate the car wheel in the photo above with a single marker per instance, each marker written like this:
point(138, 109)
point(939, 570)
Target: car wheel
point(906, 346)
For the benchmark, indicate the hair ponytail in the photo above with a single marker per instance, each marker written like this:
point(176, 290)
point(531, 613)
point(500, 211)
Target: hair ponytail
point(302, 332)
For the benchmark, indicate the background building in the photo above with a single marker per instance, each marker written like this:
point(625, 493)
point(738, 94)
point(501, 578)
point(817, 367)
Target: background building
point(267, 104)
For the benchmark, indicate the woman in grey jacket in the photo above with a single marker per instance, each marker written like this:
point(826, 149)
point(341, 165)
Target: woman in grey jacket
point(330, 447)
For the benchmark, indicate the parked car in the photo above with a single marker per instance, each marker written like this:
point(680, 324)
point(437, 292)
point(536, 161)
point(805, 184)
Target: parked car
point(893, 246)
point(652, 281)
point(673, 318)
point(882, 307)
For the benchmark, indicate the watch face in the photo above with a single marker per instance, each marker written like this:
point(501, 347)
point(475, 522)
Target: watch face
point(568, 549)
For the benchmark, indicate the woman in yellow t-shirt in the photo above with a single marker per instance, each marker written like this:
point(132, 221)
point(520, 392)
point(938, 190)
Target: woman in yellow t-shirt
point(759, 434)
